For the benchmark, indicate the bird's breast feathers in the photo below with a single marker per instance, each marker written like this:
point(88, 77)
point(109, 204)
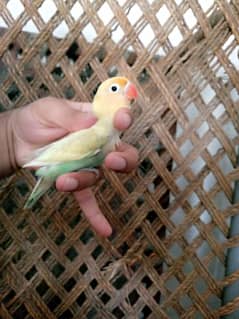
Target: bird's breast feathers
point(77, 145)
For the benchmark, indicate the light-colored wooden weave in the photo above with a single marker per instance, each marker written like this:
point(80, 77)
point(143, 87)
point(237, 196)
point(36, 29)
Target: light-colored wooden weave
point(171, 216)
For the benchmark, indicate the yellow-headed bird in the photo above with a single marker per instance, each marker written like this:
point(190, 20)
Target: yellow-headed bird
point(87, 148)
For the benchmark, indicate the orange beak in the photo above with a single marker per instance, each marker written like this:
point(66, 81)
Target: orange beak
point(131, 91)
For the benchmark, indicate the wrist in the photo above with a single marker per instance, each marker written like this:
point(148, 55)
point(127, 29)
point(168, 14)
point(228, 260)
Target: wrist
point(8, 163)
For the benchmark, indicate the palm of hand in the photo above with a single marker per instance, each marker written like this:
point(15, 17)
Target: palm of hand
point(45, 121)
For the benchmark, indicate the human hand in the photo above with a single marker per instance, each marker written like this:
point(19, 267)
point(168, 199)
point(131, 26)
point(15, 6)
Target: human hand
point(49, 119)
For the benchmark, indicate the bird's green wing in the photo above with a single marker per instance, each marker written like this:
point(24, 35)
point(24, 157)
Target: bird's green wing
point(48, 174)
point(90, 161)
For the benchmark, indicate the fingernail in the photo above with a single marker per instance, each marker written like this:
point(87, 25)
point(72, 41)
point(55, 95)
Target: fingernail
point(119, 163)
point(126, 119)
point(70, 184)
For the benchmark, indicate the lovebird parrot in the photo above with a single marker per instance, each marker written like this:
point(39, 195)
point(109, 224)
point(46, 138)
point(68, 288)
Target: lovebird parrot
point(87, 148)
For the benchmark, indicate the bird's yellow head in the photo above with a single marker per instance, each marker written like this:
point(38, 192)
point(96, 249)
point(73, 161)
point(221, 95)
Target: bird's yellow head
point(113, 94)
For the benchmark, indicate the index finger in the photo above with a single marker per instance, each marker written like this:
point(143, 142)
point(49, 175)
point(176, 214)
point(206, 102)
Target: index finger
point(123, 119)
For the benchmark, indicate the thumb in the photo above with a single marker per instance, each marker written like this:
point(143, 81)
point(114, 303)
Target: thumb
point(58, 113)
point(80, 115)
point(73, 120)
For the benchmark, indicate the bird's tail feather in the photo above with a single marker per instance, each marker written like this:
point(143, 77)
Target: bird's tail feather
point(42, 185)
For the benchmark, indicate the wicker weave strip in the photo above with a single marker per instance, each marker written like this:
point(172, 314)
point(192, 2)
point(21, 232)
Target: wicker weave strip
point(166, 258)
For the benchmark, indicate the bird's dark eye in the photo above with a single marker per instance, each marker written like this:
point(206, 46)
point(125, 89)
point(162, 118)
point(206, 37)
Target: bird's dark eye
point(114, 88)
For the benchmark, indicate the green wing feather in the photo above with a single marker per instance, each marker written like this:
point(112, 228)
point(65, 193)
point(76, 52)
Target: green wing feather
point(48, 174)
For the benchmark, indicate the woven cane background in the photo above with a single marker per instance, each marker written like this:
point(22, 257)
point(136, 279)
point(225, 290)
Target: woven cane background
point(171, 216)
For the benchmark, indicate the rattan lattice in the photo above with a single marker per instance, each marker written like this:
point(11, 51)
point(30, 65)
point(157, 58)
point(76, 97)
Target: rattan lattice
point(171, 216)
